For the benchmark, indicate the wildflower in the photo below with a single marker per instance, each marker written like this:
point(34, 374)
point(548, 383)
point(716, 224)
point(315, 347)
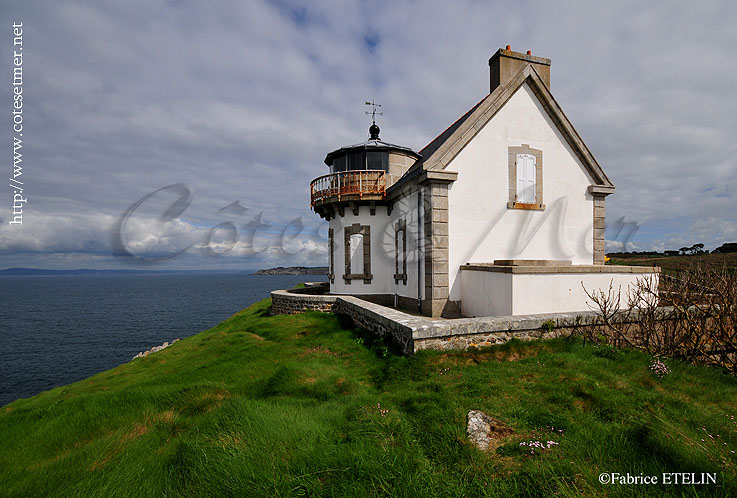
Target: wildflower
point(532, 444)
point(383, 411)
point(658, 368)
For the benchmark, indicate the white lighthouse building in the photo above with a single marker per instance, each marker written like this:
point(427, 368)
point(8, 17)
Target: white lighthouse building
point(501, 214)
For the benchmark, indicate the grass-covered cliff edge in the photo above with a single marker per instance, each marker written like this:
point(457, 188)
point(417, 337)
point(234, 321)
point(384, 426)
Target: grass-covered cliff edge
point(304, 406)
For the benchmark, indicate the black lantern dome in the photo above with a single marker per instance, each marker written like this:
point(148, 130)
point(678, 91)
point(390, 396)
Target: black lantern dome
point(373, 154)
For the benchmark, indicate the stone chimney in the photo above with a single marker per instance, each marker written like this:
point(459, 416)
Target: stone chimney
point(505, 63)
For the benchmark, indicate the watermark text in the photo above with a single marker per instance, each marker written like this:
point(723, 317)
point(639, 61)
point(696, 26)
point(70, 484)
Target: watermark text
point(16, 184)
point(665, 478)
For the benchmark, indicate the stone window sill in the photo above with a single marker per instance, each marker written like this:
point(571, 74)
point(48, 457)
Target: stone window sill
point(526, 206)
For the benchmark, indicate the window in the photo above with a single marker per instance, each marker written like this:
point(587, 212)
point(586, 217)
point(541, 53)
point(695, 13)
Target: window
point(400, 252)
point(357, 240)
point(356, 244)
point(377, 160)
point(525, 178)
point(355, 161)
point(331, 251)
point(338, 164)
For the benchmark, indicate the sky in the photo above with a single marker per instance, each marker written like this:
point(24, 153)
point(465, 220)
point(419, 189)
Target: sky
point(179, 134)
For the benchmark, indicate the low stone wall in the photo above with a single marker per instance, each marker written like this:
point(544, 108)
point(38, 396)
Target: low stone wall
point(379, 319)
point(289, 302)
point(469, 333)
point(413, 333)
point(313, 288)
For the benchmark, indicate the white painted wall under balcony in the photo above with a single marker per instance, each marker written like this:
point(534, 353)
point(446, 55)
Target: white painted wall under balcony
point(382, 250)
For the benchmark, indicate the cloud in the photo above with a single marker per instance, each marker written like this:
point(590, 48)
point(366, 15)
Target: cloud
point(156, 241)
point(240, 101)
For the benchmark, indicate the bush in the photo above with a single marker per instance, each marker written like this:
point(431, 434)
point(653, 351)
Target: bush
point(691, 316)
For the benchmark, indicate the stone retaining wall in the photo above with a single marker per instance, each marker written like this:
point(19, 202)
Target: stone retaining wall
point(289, 302)
point(413, 333)
point(314, 288)
point(468, 333)
point(379, 319)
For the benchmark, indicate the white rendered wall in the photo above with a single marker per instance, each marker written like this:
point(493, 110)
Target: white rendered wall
point(486, 293)
point(500, 294)
point(481, 228)
point(382, 250)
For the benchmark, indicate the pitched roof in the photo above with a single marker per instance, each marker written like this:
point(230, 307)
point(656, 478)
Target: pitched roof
point(430, 148)
point(441, 151)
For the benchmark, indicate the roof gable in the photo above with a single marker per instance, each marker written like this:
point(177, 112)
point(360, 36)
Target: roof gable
point(441, 151)
point(433, 146)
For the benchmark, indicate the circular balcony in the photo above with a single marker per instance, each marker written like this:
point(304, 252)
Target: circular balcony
point(348, 186)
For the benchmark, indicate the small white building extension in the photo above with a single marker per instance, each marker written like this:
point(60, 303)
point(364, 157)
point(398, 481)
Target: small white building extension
point(501, 214)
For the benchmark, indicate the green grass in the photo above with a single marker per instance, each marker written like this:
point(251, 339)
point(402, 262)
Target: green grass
point(287, 406)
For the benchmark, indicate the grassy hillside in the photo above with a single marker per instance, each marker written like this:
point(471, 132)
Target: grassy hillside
point(305, 406)
point(676, 263)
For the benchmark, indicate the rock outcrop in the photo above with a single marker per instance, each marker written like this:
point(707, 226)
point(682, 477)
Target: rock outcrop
point(485, 432)
point(154, 349)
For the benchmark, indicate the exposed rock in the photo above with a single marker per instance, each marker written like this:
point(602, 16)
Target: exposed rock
point(485, 432)
point(154, 349)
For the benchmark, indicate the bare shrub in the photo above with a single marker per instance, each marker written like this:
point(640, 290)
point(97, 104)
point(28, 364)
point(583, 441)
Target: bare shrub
point(691, 315)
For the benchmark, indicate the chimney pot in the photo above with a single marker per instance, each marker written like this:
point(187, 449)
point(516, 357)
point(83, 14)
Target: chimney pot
point(529, 52)
point(509, 47)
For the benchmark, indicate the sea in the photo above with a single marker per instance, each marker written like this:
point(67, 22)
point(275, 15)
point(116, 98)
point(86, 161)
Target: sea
point(58, 329)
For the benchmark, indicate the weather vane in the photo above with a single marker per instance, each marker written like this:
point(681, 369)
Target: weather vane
point(373, 112)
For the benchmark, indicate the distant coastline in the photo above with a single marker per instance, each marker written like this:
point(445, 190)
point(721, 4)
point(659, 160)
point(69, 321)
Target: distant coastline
point(294, 270)
point(280, 270)
point(40, 271)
